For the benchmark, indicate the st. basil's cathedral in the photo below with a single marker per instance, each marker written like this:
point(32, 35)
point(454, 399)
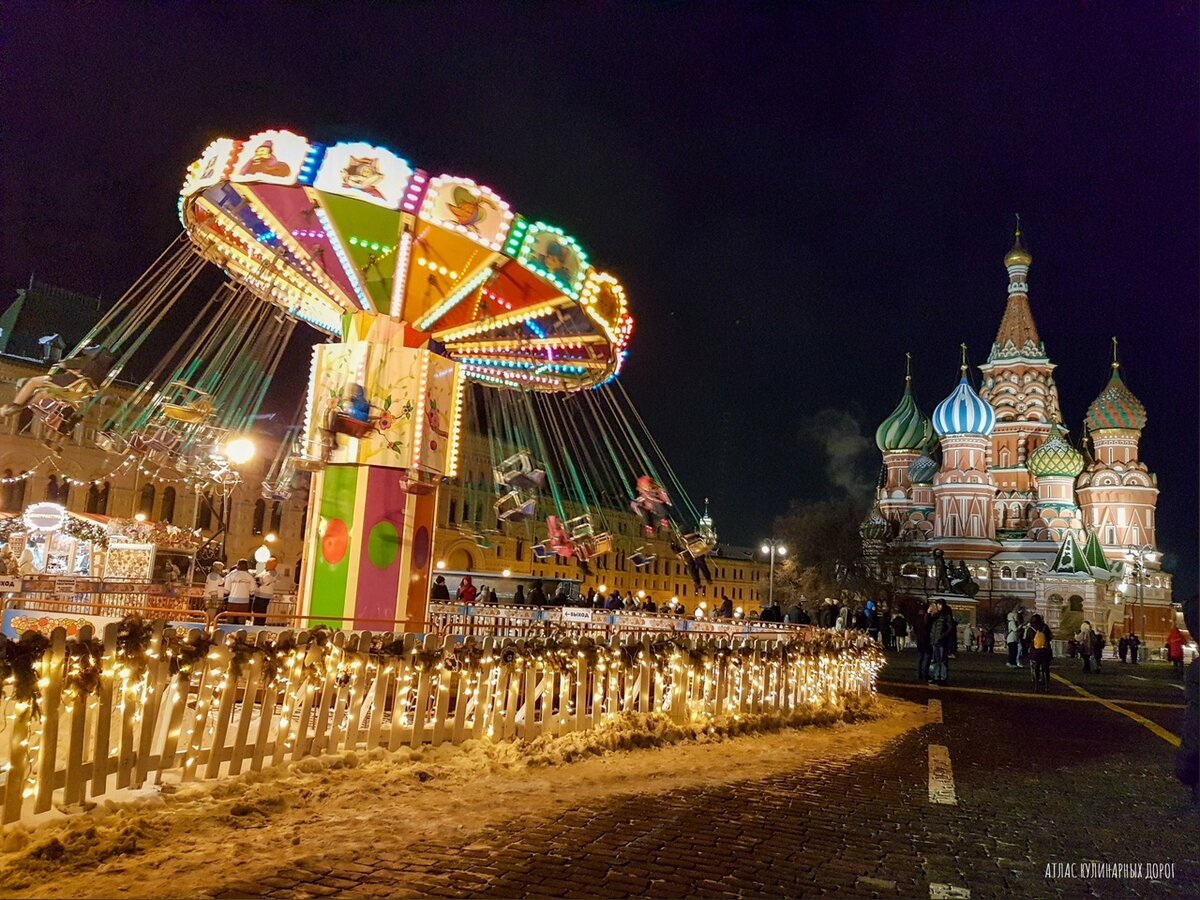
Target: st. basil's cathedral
point(992, 492)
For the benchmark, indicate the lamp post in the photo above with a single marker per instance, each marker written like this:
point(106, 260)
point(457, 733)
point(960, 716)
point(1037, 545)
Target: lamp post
point(1137, 558)
point(772, 548)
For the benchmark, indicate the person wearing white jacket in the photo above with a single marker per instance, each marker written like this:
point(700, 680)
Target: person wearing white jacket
point(1012, 637)
point(239, 585)
point(265, 590)
point(214, 590)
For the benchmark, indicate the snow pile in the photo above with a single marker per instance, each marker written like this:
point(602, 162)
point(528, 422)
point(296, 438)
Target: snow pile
point(153, 843)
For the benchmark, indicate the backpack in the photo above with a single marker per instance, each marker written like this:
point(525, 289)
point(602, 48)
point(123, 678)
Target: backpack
point(1040, 642)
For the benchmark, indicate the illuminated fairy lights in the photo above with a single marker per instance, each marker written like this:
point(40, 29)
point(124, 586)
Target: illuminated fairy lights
point(539, 264)
point(460, 384)
point(514, 318)
point(419, 419)
point(455, 297)
point(343, 257)
point(399, 282)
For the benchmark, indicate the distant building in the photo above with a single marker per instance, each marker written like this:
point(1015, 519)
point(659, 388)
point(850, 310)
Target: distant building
point(41, 311)
point(993, 484)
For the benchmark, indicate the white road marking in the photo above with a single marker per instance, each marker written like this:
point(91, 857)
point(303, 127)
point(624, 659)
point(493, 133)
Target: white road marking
point(1139, 677)
point(948, 892)
point(935, 712)
point(941, 777)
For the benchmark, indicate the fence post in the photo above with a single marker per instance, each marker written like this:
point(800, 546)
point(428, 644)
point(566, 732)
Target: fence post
point(50, 672)
point(104, 712)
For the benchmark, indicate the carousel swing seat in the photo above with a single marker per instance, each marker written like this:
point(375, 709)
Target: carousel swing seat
point(642, 557)
point(512, 507)
point(602, 543)
point(698, 544)
point(162, 439)
point(343, 423)
point(580, 527)
point(111, 442)
point(193, 411)
point(57, 415)
point(541, 551)
point(279, 492)
point(520, 473)
point(310, 455)
point(415, 482)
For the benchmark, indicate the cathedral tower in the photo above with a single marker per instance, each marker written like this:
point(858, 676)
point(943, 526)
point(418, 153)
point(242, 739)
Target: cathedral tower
point(900, 438)
point(1117, 493)
point(1018, 383)
point(963, 490)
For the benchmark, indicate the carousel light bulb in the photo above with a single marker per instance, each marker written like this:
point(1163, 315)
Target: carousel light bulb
point(140, 517)
point(240, 450)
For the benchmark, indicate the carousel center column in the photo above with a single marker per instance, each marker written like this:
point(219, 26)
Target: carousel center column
point(387, 411)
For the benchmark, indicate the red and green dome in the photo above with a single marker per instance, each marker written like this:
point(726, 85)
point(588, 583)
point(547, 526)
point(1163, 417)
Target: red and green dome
point(1116, 407)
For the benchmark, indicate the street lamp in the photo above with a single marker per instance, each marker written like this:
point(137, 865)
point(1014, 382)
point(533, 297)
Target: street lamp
point(772, 548)
point(1137, 557)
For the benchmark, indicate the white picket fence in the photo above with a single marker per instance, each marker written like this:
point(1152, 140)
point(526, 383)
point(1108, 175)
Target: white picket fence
point(261, 703)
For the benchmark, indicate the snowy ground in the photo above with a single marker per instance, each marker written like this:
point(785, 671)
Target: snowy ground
point(184, 844)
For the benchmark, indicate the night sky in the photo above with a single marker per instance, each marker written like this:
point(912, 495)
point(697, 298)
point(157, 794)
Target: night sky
point(793, 198)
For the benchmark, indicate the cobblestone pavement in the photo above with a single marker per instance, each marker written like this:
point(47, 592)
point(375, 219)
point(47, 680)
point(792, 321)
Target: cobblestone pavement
point(1039, 781)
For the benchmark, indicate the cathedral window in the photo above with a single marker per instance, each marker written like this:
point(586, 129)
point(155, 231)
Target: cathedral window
point(1006, 572)
point(1075, 603)
point(1021, 571)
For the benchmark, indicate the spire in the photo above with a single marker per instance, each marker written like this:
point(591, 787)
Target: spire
point(1116, 363)
point(964, 366)
point(1018, 336)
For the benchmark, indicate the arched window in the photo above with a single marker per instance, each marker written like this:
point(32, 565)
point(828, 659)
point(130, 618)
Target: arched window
point(58, 490)
point(204, 511)
point(276, 518)
point(1006, 572)
point(1004, 457)
point(166, 512)
point(1076, 603)
point(1021, 572)
point(146, 502)
point(453, 511)
point(260, 514)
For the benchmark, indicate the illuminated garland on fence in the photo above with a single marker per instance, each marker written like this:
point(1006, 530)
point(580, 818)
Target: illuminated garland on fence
point(285, 661)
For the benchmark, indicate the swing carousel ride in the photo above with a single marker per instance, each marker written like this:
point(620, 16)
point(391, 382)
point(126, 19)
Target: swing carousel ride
point(428, 290)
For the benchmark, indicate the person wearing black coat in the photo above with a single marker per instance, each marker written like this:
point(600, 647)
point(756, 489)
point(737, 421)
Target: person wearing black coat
point(439, 591)
point(537, 595)
point(519, 596)
point(924, 647)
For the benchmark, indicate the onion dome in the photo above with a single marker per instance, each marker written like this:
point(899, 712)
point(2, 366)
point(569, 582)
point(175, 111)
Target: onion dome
point(923, 469)
point(1018, 255)
point(1055, 457)
point(964, 411)
point(1116, 407)
point(905, 428)
point(874, 527)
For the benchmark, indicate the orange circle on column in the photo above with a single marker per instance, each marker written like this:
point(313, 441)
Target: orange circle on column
point(336, 542)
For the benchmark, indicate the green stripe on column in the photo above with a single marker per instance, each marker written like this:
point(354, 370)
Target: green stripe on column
point(332, 563)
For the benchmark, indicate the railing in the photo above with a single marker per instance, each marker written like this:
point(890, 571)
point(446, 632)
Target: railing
point(85, 717)
point(514, 621)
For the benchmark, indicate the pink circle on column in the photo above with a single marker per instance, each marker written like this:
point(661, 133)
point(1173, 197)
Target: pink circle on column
point(336, 542)
point(420, 548)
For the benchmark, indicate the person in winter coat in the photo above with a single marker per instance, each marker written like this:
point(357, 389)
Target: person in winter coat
point(214, 590)
point(1175, 650)
point(440, 590)
point(264, 592)
point(1040, 651)
point(466, 592)
point(1012, 636)
point(537, 594)
point(614, 603)
point(725, 610)
point(921, 638)
point(1087, 641)
point(941, 640)
point(589, 598)
point(519, 596)
point(792, 616)
point(492, 599)
point(1134, 643)
point(239, 585)
point(1123, 649)
point(900, 629)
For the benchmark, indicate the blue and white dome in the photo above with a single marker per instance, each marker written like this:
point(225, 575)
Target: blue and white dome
point(964, 412)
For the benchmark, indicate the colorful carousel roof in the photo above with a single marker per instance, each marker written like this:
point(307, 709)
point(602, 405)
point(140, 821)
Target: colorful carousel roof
point(323, 230)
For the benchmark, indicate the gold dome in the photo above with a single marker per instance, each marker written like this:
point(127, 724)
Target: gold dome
point(1018, 255)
